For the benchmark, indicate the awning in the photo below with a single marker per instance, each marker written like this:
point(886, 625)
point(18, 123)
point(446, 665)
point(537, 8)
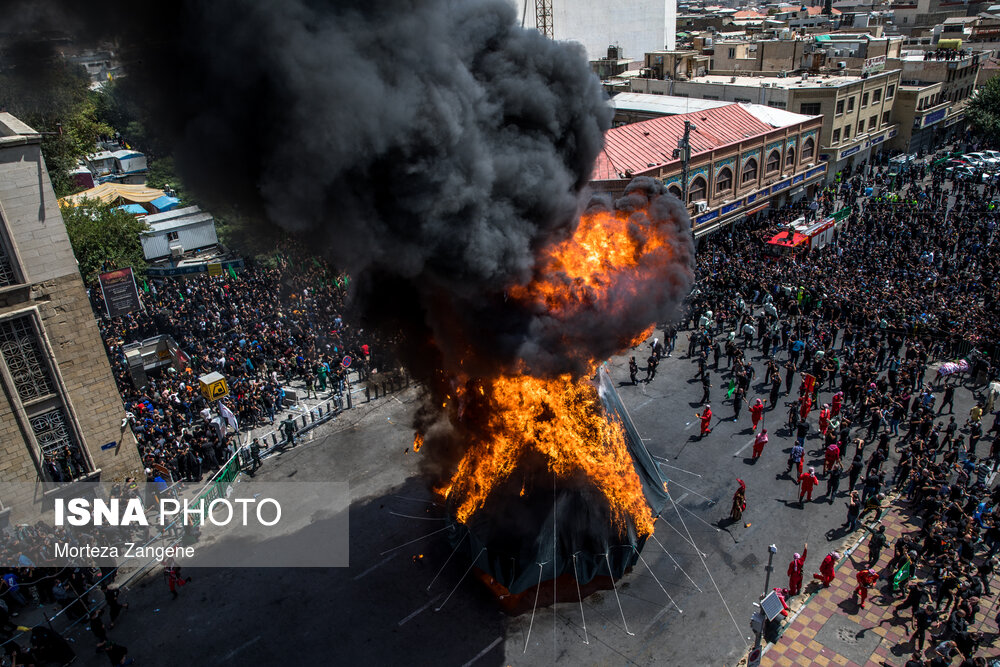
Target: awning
point(109, 193)
point(134, 209)
point(165, 203)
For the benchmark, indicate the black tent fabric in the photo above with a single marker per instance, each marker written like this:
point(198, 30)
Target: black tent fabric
point(539, 528)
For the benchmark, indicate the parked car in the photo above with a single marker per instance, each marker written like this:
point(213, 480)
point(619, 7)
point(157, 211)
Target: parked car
point(981, 160)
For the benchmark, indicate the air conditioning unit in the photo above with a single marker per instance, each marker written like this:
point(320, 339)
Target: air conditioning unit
point(700, 206)
point(842, 64)
point(176, 250)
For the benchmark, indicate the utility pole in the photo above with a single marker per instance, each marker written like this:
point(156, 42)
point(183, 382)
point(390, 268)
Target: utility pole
point(684, 153)
point(543, 17)
point(761, 616)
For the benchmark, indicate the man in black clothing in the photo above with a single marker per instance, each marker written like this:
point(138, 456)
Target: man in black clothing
point(706, 385)
point(633, 371)
point(923, 619)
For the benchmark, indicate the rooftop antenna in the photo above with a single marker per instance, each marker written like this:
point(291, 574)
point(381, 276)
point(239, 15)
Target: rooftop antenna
point(543, 17)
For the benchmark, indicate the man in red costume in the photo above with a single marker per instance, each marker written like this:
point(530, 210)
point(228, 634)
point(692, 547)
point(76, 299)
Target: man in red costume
point(807, 481)
point(759, 442)
point(706, 420)
point(826, 572)
point(866, 579)
point(756, 412)
point(830, 456)
point(824, 418)
point(838, 400)
point(795, 570)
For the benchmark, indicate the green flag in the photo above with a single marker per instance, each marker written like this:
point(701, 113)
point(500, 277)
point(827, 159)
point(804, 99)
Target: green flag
point(232, 272)
point(732, 389)
point(902, 575)
point(180, 295)
point(145, 286)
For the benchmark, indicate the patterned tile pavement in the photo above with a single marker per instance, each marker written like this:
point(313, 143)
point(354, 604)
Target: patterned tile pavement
point(798, 646)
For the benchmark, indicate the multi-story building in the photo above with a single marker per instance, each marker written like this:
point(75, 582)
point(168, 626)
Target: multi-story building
point(856, 108)
point(743, 158)
point(61, 416)
point(935, 88)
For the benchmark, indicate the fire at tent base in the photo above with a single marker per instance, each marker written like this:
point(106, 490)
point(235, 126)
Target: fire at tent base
point(535, 528)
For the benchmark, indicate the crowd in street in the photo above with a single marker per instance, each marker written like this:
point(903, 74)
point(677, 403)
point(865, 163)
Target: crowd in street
point(262, 328)
point(850, 337)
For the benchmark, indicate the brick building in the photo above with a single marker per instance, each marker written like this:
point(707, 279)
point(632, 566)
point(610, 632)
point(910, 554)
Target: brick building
point(61, 414)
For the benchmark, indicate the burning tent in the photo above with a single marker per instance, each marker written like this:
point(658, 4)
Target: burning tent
point(537, 525)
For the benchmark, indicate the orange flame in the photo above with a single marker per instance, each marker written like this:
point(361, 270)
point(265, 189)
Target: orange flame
point(608, 250)
point(612, 257)
point(563, 420)
point(418, 442)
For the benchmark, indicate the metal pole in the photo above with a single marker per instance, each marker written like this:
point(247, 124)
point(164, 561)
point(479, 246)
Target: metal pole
point(771, 550)
point(685, 146)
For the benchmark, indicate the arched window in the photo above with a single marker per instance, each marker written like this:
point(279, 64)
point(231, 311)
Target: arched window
point(773, 162)
point(808, 148)
point(790, 157)
point(749, 171)
point(724, 181)
point(698, 189)
point(675, 191)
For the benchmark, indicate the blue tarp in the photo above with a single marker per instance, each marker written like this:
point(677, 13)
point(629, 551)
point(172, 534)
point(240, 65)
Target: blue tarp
point(165, 203)
point(134, 209)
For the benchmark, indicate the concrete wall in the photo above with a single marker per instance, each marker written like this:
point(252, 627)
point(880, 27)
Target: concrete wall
point(637, 26)
point(51, 291)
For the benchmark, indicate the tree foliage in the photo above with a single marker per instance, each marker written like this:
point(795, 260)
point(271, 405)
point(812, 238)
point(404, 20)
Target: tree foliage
point(104, 238)
point(983, 112)
point(62, 105)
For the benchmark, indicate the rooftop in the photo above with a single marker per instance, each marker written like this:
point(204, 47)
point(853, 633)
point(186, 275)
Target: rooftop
point(667, 105)
point(787, 82)
point(13, 131)
point(639, 147)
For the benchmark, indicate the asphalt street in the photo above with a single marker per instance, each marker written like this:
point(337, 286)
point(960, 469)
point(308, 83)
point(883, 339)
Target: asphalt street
point(404, 600)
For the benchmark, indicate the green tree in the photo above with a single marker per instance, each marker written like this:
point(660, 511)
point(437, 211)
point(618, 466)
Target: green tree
point(983, 112)
point(104, 237)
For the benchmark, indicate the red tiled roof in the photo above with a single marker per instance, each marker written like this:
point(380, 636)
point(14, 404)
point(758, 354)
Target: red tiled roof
point(749, 14)
point(634, 147)
point(815, 11)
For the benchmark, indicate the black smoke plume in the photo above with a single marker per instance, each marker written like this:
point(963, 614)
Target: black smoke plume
point(432, 148)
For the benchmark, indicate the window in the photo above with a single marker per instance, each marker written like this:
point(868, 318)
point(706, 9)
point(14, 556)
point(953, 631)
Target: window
point(34, 387)
point(836, 136)
point(890, 91)
point(776, 104)
point(711, 97)
point(790, 157)
point(698, 190)
point(876, 96)
point(745, 100)
point(847, 132)
point(810, 108)
point(885, 118)
point(732, 53)
point(808, 148)
point(724, 181)
point(872, 122)
point(749, 171)
point(674, 190)
point(840, 107)
point(864, 100)
point(850, 104)
point(861, 127)
point(172, 236)
point(773, 162)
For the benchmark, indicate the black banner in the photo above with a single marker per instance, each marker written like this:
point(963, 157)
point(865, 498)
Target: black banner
point(121, 295)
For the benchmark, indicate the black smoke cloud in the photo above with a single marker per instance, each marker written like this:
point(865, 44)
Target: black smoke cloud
point(431, 148)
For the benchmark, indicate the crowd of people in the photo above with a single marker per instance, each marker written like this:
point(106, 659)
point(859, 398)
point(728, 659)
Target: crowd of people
point(848, 335)
point(262, 328)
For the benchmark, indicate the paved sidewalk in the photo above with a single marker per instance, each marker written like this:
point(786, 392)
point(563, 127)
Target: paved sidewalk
point(831, 629)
